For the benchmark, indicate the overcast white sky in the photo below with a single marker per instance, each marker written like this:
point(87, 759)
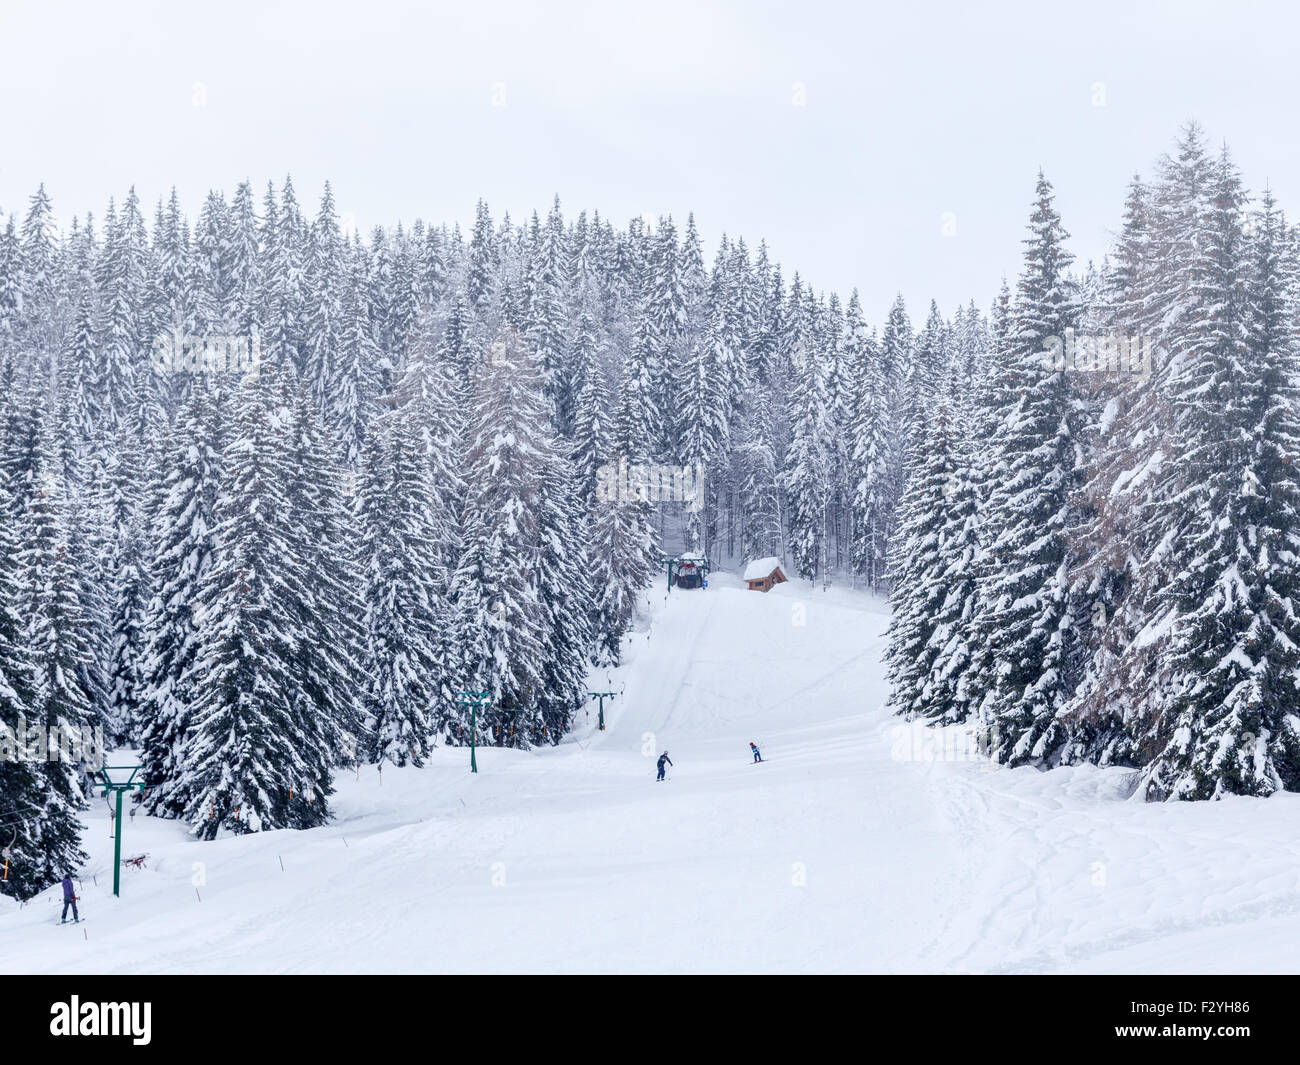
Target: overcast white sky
point(910, 110)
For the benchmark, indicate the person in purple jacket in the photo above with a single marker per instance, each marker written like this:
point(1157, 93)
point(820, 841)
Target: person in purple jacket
point(69, 899)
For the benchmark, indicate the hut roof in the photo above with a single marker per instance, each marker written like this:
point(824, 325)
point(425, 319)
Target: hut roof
point(761, 567)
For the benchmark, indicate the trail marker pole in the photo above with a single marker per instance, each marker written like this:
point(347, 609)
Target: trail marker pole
point(118, 788)
point(602, 696)
point(473, 700)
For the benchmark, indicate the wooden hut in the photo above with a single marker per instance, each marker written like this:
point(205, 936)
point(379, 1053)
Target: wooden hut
point(763, 573)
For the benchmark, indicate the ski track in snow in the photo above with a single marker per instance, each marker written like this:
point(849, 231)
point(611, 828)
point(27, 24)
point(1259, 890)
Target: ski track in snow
point(837, 855)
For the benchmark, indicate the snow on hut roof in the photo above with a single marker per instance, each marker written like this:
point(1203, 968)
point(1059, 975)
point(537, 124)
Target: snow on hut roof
point(761, 567)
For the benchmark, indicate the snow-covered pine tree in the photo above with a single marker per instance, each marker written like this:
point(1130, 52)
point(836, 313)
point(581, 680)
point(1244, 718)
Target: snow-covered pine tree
point(546, 317)
point(51, 608)
point(871, 475)
point(972, 344)
point(930, 360)
point(127, 662)
point(431, 408)
point(129, 476)
point(89, 543)
point(921, 627)
point(622, 546)
point(11, 293)
point(1025, 623)
point(766, 326)
point(807, 470)
point(458, 343)
point(1233, 657)
point(666, 303)
point(355, 380)
point(184, 539)
point(839, 394)
point(30, 813)
point(41, 819)
point(640, 414)
point(705, 415)
point(757, 478)
point(381, 298)
point(326, 277)
point(243, 265)
point(324, 599)
point(120, 279)
point(1125, 534)
point(283, 309)
point(404, 585)
point(40, 313)
point(961, 545)
point(210, 257)
point(501, 623)
point(880, 442)
point(249, 764)
point(170, 279)
point(81, 385)
point(481, 274)
point(592, 433)
point(404, 305)
point(430, 269)
point(565, 593)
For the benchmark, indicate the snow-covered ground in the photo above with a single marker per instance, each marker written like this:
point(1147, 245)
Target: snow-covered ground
point(861, 844)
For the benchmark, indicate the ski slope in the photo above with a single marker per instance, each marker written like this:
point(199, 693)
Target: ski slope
point(861, 845)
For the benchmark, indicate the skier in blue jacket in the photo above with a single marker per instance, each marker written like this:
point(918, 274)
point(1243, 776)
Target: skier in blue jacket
point(662, 759)
point(69, 899)
point(757, 757)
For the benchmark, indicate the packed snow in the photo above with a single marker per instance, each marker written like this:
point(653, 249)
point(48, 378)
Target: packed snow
point(861, 844)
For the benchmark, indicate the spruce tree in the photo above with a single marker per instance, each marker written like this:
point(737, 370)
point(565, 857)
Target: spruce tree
point(185, 544)
point(932, 575)
point(1025, 622)
point(501, 623)
point(592, 427)
point(1233, 656)
point(38, 807)
point(808, 470)
point(60, 704)
point(404, 589)
point(326, 602)
point(250, 764)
